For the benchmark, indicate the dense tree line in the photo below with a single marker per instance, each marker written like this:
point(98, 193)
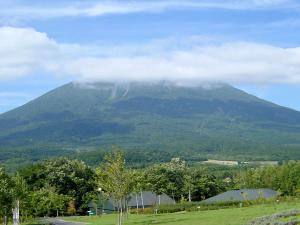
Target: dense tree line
point(73, 180)
point(284, 178)
point(64, 186)
point(181, 182)
point(13, 194)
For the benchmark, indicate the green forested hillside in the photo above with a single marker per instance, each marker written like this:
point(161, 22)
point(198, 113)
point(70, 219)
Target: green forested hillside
point(154, 122)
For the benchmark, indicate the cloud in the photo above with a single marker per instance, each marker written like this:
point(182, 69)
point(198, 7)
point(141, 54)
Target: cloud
point(230, 63)
point(24, 51)
point(99, 8)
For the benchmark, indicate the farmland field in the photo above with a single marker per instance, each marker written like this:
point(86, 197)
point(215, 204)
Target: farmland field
point(233, 216)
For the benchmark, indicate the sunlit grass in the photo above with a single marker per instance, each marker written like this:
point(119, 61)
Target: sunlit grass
point(233, 216)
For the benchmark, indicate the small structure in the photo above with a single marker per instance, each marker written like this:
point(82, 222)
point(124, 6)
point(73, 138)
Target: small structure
point(148, 199)
point(221, 162)
point(145, 199)
point(243, 195)
point(261, 163)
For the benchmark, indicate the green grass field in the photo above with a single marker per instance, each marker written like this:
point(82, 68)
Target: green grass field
point(233, 216)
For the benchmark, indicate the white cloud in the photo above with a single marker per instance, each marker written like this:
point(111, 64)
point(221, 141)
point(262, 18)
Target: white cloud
point(25, 51)
point(231, 63)
point(99, 8)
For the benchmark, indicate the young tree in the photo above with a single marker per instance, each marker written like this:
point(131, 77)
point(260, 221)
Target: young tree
point(167, 178)
point(205, 185)
point(138, 187)
point(189, 183)
point(20, 195)
point(115, 180)
point(71, 208)
point(157, 180)
point(6, 195)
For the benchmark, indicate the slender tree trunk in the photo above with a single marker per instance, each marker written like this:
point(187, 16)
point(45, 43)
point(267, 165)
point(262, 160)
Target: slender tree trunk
point(5, 220)
point(157, 203)
point(121, 213)
point(173, 197)
point(16, 213)
point(126, 207)
point(142, 199)
point(137, 203)
point(190, 196)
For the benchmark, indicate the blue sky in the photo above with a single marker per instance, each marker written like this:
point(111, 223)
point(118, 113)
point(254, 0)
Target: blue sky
point(252, 44)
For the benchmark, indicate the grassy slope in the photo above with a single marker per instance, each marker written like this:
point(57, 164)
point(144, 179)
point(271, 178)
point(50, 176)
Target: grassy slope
point(234, 216)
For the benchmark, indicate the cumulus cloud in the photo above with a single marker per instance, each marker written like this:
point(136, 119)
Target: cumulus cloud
point(232, 63)
point(25, 51)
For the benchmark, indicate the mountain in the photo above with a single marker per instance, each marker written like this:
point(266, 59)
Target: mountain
point(152, 121)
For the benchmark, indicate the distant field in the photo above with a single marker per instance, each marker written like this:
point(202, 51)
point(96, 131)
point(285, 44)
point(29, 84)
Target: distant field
point(233, 216)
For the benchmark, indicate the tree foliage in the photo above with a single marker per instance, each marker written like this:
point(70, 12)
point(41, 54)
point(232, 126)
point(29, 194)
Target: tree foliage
point(116, 180)
point(47, 202)
point(69, 178)
point(285, 178)
point(6, 193)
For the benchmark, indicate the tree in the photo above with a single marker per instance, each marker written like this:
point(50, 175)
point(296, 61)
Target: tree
point(20, 197)
point(205, 185)
point(139, 185)
point(70, 178)
point(167, 178)
point(189, 183)
point(46, 202)
point(6, 195)
point(284, 178)
point(157, 180)
point(71, 208)
point(115, 180)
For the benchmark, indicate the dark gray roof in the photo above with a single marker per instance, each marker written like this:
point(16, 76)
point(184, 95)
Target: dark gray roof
point(149, 199)
point(242, 195)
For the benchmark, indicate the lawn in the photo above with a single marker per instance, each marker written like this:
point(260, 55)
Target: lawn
point(233, 216)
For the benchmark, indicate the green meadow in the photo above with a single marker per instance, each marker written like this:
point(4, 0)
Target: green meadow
point(232, 216)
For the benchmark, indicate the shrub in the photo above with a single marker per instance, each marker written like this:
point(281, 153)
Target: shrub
point(202, 206)
point(275, 219)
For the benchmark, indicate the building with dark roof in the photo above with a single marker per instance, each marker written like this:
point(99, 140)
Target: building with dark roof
point(144, 199)
point(148, 199)
point(243, 195)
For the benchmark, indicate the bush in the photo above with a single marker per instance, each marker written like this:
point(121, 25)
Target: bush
point(202, 206)
point(275, 219)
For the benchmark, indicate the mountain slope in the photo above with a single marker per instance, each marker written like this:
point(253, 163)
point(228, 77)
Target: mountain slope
point(217, 120)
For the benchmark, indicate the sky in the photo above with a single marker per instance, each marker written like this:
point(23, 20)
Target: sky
point(251, 44)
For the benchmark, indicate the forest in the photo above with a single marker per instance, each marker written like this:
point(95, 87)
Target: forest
point(63, 186)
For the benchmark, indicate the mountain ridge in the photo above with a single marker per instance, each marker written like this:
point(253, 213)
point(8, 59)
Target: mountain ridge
point(217, 120)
